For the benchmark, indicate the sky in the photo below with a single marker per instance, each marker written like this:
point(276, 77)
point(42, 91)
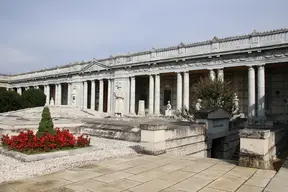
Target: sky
point(37, 34)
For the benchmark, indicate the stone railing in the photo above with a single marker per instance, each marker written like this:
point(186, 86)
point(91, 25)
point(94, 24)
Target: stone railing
point(182, 138)
point(214, 46)
point(259, 147)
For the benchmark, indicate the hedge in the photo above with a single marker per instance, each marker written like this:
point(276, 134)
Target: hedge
point(11, 100)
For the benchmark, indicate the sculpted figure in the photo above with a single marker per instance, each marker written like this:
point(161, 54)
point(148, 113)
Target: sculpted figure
point(168, 111)
point(198, 105)
point(52, 101)
point(119, 100)
point(236, 109)
point(74, 96)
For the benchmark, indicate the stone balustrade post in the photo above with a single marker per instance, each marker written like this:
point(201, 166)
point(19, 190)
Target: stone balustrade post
point(153, 139)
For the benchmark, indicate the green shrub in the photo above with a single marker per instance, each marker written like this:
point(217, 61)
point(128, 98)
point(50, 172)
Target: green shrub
point(33, 98)
point(10, 101)
point(2, 89)
point(46, 123)
point(214, 94)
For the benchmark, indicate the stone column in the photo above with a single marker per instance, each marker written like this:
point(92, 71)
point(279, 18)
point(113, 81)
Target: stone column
point(157, 94)
point(132, 95)
point(101, 92)
point(47, 94)
point(186, 90)
point(220, 75)
point(212, 74)
point(19, 91)
point(93, 99)
point(261, 91)
point(151, 95)
point(56, 94)
point(179, 91)
point(85, 94)
point(251, 92)
point(109, 96)
point(60, 94)
point(69, 95)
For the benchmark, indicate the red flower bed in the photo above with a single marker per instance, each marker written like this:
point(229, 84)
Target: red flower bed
point(29, 143)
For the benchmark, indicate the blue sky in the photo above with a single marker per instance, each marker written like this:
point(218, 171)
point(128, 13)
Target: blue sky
point(36, 34)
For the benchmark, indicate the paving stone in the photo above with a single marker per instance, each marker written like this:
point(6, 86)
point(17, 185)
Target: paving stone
point(113, 177)
point(79, 176)
point(152, 186)
point(265, 173)
point(10, 186)
point(171, 190)
point(223, 167)
point(42, 185)
point(197, 167)
point(258, 181)
point(119, 185)
point(229, 184)
point(278, 184)
point(211, 173)
point(170, 167)
point(192, 184)
point(207, 189)
point(249, 188)
point(146, 176)
point(88, 184)
point(241, 172)
point(161, 162)
point(139, 169)
point(176, 176)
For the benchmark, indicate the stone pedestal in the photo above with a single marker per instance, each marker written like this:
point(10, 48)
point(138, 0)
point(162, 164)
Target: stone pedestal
point(141, 108)
point(153, 139)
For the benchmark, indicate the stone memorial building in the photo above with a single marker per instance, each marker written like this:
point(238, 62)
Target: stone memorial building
point(256, 64)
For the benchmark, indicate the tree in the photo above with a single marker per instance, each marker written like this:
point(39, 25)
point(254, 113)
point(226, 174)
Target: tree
point(33, 98)
point(46, 123)
point(214, 94)
point(10, 101)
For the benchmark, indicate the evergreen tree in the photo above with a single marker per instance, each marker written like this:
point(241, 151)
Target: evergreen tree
point(46, 123)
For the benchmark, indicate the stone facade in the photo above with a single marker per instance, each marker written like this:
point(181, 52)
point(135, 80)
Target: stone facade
point(159, 75)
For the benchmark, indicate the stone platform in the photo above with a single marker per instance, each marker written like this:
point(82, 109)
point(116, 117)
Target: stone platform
point(150, 173)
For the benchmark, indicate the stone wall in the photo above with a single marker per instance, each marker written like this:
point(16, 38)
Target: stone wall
point(183, 138)
point(259, 147)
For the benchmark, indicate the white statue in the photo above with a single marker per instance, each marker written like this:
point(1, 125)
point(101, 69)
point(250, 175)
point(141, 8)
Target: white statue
point(198, 105)
point(52, 101)
point(236, 109)
point(119, 100)
point(74, 96)
point(168, 111)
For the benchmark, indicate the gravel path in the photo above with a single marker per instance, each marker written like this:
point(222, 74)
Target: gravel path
point(11, 169)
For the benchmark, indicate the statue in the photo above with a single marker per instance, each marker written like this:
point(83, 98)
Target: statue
point(119, 100)
point(168, 111)
point(74, 96)
point(235, 109)
point(198, 105)
point(52, 101)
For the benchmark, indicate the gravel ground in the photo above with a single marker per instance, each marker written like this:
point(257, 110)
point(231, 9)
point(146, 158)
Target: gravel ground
point(11, 169)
